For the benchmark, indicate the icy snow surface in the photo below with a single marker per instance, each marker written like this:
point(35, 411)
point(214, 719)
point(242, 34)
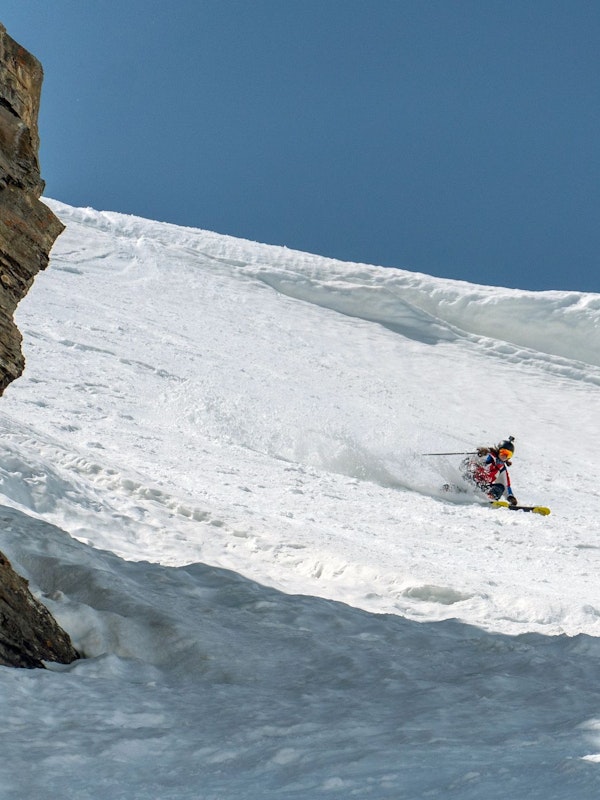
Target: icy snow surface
point(212, 473)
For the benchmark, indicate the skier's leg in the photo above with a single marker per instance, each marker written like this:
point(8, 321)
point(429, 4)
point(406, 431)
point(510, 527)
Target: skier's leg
point(496, 490)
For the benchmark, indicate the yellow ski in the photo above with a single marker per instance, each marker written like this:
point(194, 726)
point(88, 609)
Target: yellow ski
point(536, 509)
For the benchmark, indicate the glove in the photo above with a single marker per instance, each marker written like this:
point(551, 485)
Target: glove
point(482, 451)
point(512, 499)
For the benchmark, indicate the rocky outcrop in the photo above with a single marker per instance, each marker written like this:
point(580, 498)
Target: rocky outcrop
point(27, 227)
point(28, 633)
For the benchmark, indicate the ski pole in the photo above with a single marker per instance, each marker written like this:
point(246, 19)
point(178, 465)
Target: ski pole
point(461, 453)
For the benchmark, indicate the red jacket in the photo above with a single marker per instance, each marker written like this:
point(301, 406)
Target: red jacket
point(491, 470)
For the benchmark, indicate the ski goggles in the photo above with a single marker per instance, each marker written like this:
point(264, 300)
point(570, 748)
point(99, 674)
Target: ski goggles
point(505, 454)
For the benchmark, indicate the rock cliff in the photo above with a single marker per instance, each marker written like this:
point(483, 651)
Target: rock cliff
point(27, 227)
point(28, 633)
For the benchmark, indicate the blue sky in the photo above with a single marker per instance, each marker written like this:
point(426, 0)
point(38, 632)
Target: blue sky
point(456, 138)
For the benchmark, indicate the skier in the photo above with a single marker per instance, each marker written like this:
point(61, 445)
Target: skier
point(488, 470)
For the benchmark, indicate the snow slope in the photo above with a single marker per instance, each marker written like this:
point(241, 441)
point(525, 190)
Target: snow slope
point(212, 472)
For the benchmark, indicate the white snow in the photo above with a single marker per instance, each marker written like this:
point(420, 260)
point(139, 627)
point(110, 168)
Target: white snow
point(212, 473)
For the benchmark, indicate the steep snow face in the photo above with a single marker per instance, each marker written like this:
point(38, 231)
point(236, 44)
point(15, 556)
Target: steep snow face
point(192, 397)
point(200, 683)
point(212, 473)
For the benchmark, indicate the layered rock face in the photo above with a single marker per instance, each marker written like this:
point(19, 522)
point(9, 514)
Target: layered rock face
point(28, 633)
point(27, 227)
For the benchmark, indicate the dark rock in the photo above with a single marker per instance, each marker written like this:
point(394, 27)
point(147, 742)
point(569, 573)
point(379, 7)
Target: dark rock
point(28, 633)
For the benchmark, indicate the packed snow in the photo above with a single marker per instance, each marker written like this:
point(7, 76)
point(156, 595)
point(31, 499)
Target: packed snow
point(213, 473)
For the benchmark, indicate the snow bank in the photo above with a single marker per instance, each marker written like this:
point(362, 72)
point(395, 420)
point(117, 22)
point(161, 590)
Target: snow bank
point(198, 680)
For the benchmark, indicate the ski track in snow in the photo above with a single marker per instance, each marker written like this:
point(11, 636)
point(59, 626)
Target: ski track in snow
point(228, 438)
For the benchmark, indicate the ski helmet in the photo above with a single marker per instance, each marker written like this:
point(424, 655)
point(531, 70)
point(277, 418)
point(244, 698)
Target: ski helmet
point(508, 444)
